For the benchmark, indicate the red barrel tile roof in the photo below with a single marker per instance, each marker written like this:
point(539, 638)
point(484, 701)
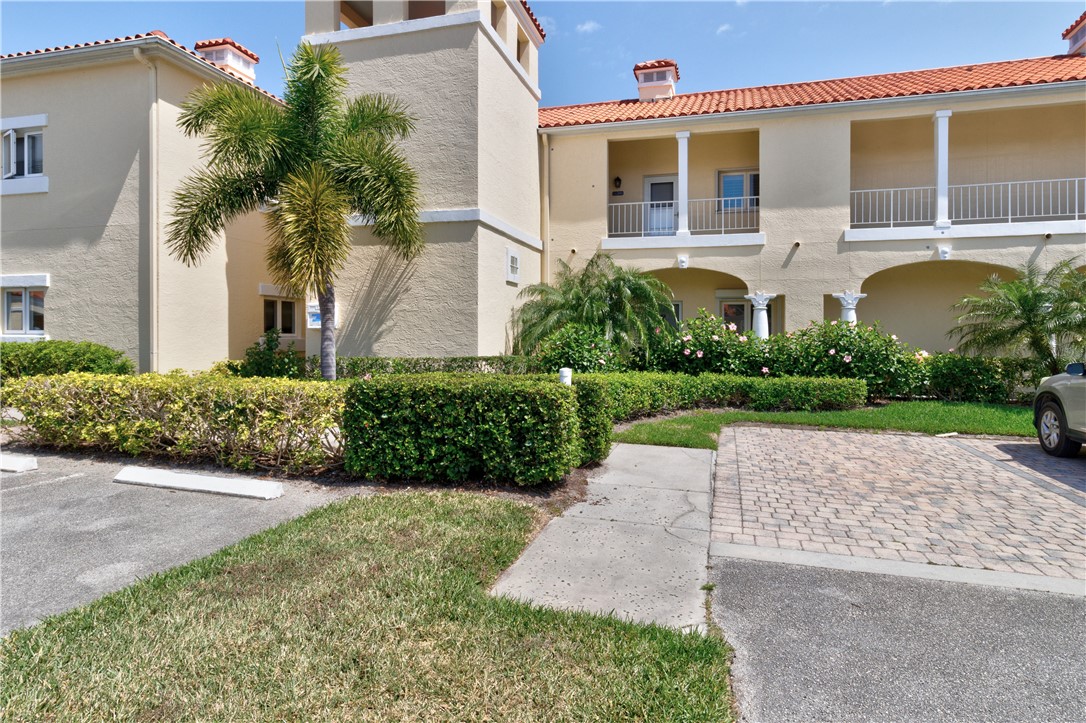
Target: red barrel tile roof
point(1005, 74)
point(217, 42)
point(534, 21)
point(661, 63)
point(1072, 26)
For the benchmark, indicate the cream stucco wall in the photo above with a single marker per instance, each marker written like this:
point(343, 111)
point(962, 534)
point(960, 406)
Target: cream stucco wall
point(809, 160)
point(86, 231)
point(498, 297)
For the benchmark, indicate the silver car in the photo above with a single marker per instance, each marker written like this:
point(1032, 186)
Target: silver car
point(1059, 412)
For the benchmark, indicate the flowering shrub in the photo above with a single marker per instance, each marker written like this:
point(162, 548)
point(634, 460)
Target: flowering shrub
point(581, 349)
point(960, 378)
point(708, 344)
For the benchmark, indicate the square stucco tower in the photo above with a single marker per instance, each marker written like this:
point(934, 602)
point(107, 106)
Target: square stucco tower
point(468, 74)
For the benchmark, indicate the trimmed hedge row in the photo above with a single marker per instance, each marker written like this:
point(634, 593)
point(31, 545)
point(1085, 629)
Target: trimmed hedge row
point(357, 367)
point(448, 427)
point(241, 423)
point(54, 356)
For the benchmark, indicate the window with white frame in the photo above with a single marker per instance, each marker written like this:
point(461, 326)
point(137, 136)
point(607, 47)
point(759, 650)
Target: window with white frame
point(676, 316)
point(740, 313)
point(24, 153)
point(512, 265)
point(656, 76)
point(281, 314)
point(24, 311)
point(738, 189)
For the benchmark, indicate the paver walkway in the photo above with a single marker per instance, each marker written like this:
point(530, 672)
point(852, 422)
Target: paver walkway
point(636, 548)
point(981, 504)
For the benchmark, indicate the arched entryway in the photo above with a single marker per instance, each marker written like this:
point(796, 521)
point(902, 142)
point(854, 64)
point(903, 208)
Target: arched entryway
point(914, 301)
point(718, 293)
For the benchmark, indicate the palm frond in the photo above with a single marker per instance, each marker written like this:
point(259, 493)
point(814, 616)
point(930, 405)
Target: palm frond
point(310, 236)
point(242, 131)
point(383, 115)
point(313, 96)
point(202, 206)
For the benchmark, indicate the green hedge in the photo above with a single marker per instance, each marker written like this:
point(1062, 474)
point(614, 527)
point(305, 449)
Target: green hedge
point(999, 380)
point(461, 427)
point(357, 367)
point(242, 423)
point(32, 358)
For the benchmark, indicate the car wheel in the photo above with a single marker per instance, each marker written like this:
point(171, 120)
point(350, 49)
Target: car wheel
point(1052, 431)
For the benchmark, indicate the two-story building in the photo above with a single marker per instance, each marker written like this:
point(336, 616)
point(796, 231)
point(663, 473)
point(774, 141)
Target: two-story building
point(882, 197)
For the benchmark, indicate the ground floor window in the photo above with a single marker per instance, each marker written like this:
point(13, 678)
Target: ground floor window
point(24, 311)
point(740, 313)
point(281, 314)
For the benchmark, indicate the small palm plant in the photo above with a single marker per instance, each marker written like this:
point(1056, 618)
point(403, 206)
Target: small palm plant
point(314, 160)
point(626, 306)
point(1042, 314)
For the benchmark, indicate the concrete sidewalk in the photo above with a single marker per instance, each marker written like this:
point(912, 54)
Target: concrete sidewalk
point(636, 548)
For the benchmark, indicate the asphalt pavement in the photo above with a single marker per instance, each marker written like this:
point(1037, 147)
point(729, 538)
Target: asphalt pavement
point(815, 644)
point(69, 534)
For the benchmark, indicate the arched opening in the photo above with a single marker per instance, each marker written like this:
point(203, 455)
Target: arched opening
point(718, 293)
point(914, 301)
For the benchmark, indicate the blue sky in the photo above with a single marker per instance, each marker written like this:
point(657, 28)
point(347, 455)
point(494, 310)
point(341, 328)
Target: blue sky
point(592, 46)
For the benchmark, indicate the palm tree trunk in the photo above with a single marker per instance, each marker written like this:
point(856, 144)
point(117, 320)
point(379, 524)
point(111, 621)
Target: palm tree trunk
point(327, 302)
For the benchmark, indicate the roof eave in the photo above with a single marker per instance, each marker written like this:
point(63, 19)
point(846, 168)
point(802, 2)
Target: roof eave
point(809, 108)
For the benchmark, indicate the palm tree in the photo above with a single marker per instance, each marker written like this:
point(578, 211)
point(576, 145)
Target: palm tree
point(624, 305)
point(314, 160)
point(1043, 314)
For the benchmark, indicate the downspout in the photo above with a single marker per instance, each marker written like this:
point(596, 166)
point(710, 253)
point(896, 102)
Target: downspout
point(152, 175)
point(545, 210)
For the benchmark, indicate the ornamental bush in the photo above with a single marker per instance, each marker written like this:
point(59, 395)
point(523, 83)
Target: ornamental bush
point(23, 359)
point(267, 358)
point(709, 344)
point(580, 348)
point(997, 380)
point(357, 367)
point(461, 427)
point(241, 423)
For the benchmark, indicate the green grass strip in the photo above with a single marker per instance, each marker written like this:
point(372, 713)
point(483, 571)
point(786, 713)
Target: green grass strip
point(368, 609)
point(699, 429)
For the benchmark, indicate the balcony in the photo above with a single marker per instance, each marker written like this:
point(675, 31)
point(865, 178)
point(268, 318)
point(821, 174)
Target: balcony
point(704, 216)
point(1059, 199)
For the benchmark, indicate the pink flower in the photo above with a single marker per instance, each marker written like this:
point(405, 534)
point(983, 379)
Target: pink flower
point(894, 337)
point(717, 338)
point(686, 351)
point(765, 370)
point(687, 337)
point(847, 358)
point(789, 335)
point(602, 361)
point(833, 323)
point(657, 330)
point(367, 377)
point(951, 350)
point(742, 338)
point(733, 327)
point(700, 354)
point(852, 323)
point(832, 352)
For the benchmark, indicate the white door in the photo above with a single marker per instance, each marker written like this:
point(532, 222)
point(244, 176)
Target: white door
point(660, 210)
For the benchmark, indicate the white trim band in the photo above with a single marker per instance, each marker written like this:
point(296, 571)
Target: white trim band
point(274, 290)
point(9, 280)
point(701, 241)
point(471, 215)
point(24, 184)
point(24, 121)
point(971, 230)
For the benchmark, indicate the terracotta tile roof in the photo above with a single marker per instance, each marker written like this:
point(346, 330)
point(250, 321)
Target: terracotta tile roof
point(534, 20)
point(1073, 26)
point(218, 42)
point(661, 63)
point(139, 36)
point(1005, 74)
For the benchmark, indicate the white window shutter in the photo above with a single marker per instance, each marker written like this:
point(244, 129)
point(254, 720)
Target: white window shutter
point(9, 153)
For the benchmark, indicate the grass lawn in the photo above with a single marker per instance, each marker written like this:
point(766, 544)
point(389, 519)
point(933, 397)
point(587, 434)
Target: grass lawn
point(700, 429)
point(368, 609)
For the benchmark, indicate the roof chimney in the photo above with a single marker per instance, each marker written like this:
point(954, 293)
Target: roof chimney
point(1076, 36)
point(231, 56)
point(656, 79)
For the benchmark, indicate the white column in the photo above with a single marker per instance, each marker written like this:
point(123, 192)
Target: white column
point(942, 168)
point(759, 301)
point(848, 300)
point(391, 11)
point(684, 187)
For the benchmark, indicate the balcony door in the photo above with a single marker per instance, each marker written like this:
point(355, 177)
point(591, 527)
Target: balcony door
point(661, 213)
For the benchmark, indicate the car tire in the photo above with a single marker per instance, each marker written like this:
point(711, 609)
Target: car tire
point(1052, 431)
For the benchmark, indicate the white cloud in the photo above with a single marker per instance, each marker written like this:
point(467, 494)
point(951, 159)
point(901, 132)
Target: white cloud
point(589, 26)
point(723, 29)
point(741, 2)
point(550, 25)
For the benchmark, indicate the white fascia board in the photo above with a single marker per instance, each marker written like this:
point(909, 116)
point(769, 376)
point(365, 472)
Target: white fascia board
point(470, 215)
point(687, 120)
point(701, 241)
point(526, 22)
point(24, 121)
point(14, 280)
point(273, 290)
point(971, 230)
point(21, 185)
point(473, 17)
point(21, 338)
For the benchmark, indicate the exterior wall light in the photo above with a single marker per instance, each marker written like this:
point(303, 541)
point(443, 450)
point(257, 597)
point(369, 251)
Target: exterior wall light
point(618, 183)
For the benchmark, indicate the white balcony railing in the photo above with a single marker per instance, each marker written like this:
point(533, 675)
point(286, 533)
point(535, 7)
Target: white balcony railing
point(1061, 198)
point(894, 206)
point(1006, 202)
point(704, 216)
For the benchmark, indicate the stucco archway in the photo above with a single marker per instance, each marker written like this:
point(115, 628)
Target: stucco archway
point(914, 301)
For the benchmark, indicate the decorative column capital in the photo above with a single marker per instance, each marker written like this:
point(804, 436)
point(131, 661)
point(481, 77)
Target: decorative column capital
point(942, 114)
point(682, 135)
point(760, 299)
point(849, 299)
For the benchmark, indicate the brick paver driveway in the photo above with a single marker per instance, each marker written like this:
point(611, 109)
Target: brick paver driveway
point(978, 503)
